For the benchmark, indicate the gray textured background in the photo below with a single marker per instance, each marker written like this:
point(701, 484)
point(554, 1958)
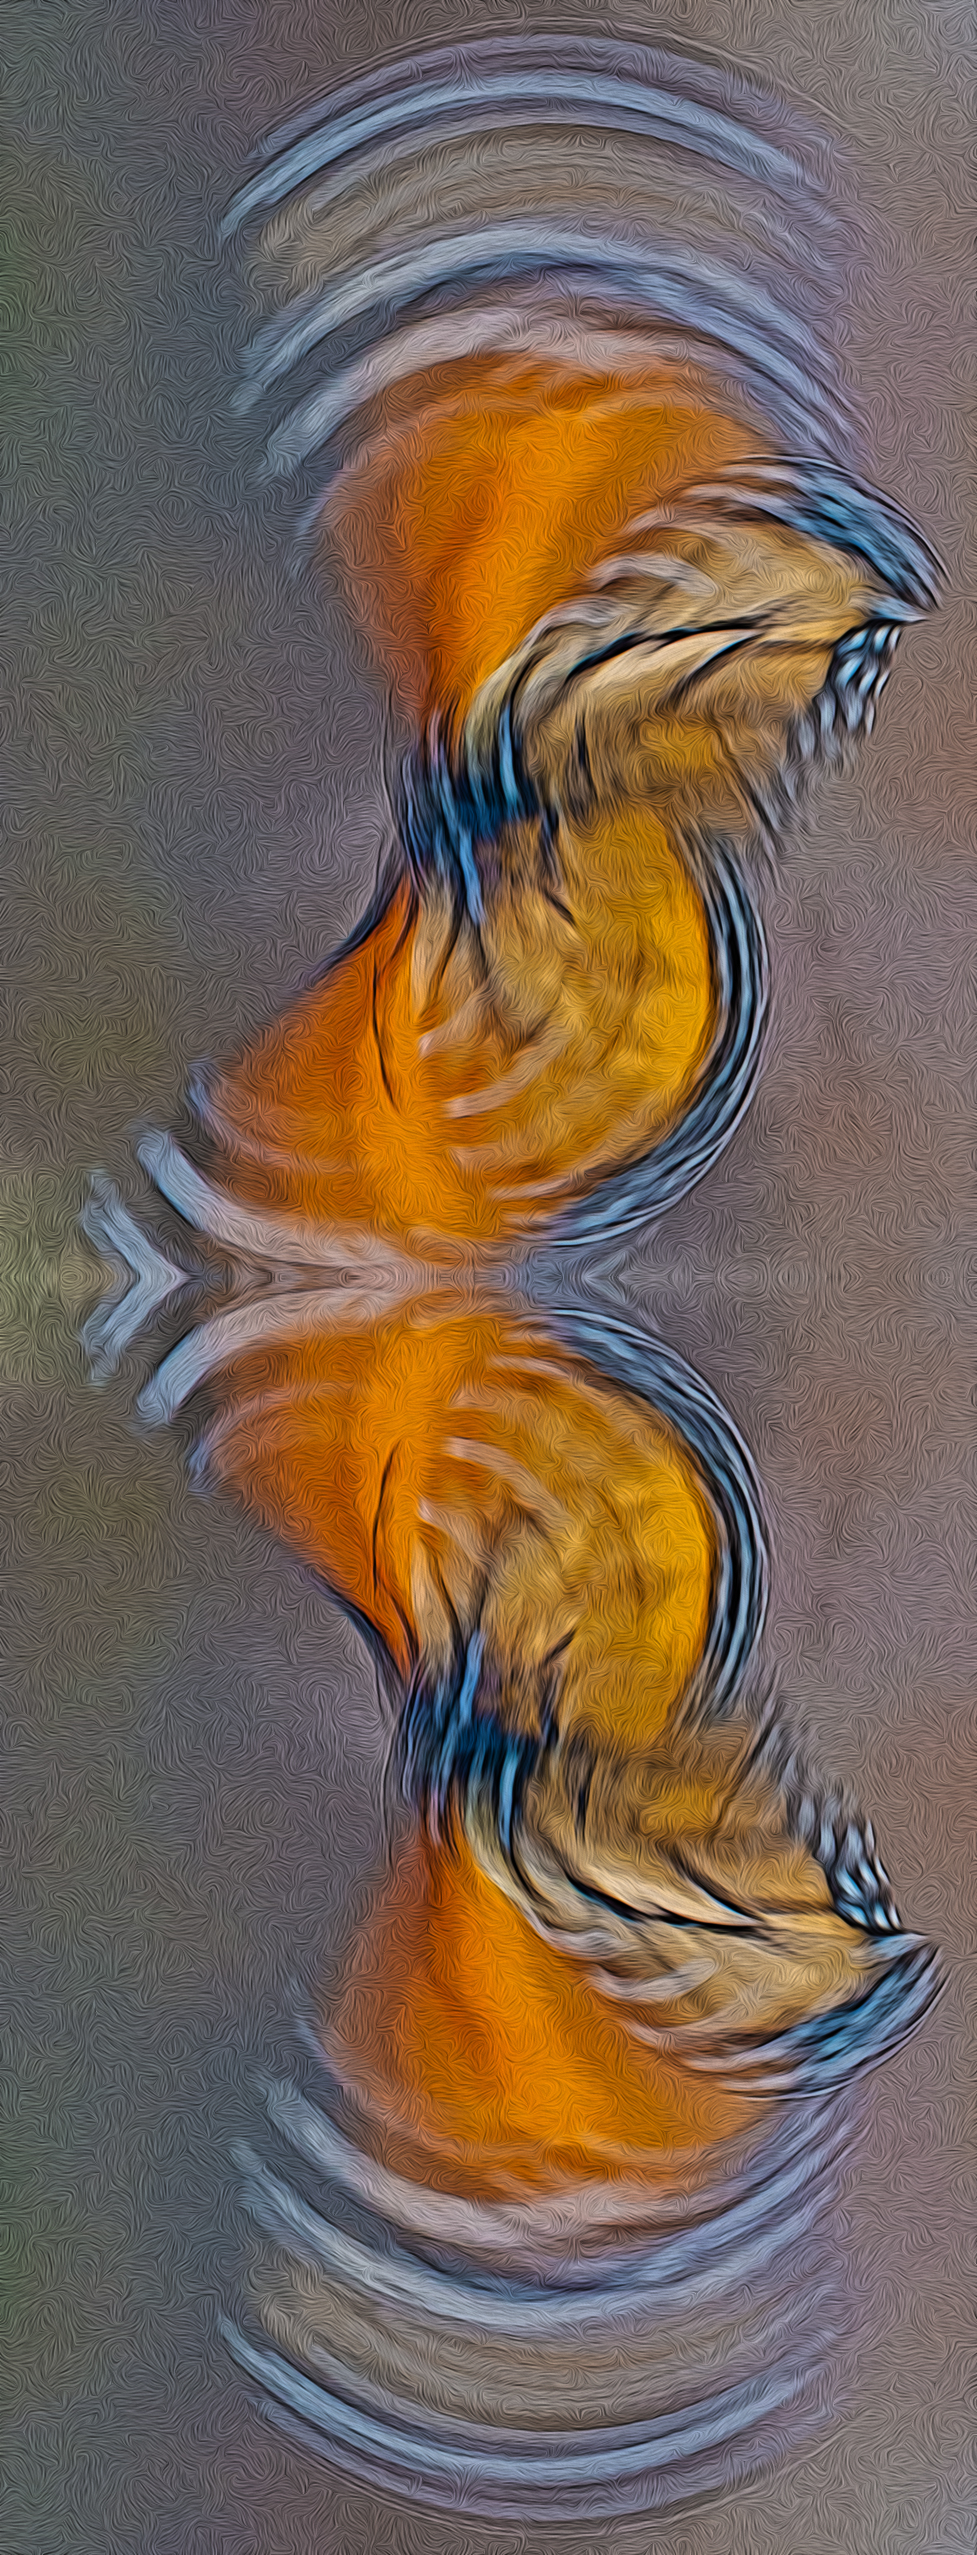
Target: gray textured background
point(191, 1739)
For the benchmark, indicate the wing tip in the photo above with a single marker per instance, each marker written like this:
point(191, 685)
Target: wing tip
point(826, 503)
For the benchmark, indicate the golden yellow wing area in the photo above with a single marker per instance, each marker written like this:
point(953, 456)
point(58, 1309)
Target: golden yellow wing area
point(453, 1472)
point(449, 1088)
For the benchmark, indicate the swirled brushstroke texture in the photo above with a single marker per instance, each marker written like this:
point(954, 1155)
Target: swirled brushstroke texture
point(583, 2266)
point(627, 617)
point(590, 475)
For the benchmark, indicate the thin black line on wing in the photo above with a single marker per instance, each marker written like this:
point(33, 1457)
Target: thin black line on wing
point(456, 1754)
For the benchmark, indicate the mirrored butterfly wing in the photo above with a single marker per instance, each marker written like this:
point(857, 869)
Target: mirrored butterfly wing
point(556, 376)
point(614, 1899)
point(553, 1019)
point(623, 1921)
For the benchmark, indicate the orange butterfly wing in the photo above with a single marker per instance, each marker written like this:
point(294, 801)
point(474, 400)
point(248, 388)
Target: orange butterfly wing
point(493, 501)
point(456, 1477)
point(627, 632)
point(555, 1570)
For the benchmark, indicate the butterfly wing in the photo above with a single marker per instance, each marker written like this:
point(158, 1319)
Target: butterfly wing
point(561, 342)
point(611, 1893)
point(495, 500)
point(636, 641)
